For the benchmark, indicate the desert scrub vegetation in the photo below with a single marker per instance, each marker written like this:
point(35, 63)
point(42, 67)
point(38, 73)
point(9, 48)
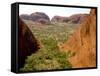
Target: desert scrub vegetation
point(49, 57)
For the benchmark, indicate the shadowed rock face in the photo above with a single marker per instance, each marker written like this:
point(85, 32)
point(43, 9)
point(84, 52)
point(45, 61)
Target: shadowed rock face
point(27, 43)
point(83, 43)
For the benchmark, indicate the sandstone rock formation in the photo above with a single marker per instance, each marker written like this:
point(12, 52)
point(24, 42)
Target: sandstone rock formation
point(76, 18)
point(59, 19)
point(83, 43)
point(28, 44)
point(38, 17)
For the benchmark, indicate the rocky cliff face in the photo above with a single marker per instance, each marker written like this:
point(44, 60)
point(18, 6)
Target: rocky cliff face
point(76, 18)
point(28, 44)
point(83, 43)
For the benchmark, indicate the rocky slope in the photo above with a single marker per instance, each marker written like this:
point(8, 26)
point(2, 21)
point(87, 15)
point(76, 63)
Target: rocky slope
point(82, 44)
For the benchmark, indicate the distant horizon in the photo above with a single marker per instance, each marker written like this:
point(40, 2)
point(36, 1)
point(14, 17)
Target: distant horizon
point(54, 11)
point(54, 15)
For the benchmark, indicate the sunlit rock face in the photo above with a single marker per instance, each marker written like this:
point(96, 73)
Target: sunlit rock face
point(27, 43)
point(83, 43)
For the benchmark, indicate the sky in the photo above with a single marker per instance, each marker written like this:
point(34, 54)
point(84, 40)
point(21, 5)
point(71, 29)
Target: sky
point(52, 11)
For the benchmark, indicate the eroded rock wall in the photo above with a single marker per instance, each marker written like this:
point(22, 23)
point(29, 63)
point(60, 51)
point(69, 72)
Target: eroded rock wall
point(83, 43)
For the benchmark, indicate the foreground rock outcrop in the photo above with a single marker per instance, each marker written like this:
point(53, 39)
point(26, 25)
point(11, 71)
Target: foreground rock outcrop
point(82, 44)
point(28, 44)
